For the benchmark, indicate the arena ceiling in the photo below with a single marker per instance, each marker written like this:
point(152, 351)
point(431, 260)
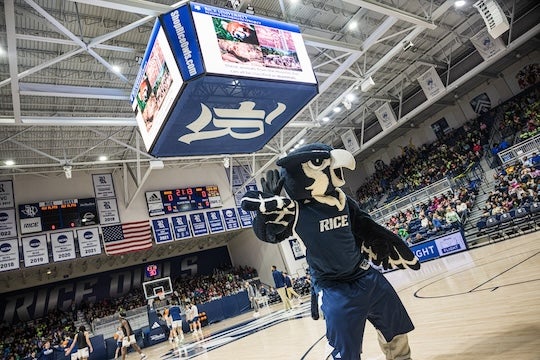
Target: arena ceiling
point(67, 69)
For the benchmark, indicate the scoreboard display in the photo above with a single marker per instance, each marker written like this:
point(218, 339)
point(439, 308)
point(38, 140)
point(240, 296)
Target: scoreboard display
point(57, 214)
point(181, 200)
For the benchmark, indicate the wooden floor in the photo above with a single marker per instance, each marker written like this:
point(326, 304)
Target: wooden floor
point(480, 304)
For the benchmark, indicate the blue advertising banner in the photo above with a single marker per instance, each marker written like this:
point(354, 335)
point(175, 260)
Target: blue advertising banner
point(33, 303)
point(181, 227)
point(246, 220)
point(198, 224)
point(162, 230)
point(215, 222)
point(180, 31)
point(231, 219)
point(442, 246)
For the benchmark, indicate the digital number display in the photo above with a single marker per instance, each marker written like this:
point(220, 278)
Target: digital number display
point(182, 200)
point(152, 270)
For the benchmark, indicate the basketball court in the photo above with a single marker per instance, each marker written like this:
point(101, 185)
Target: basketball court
point(479, 304)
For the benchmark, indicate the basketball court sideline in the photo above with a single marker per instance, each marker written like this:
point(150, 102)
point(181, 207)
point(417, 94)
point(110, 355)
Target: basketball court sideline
point(474, 305)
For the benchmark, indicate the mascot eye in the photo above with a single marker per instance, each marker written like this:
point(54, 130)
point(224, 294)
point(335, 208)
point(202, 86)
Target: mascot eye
point(316, 163)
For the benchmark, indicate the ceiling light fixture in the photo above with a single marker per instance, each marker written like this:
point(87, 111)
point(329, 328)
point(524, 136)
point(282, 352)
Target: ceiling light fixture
point(337, 109)
point(9, 162)
point(326, 119)
point(103, 158)
point(460, 3)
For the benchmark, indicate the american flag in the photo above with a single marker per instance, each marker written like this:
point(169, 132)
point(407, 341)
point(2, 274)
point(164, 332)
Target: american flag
point(128, 237)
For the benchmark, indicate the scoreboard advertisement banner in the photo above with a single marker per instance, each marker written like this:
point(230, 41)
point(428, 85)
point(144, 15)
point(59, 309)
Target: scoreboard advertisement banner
point(9, 255)
point(8, 224)
point(57, 214)
point(35, 250)
point(6, 194)
point(442, 246)
point(89, 242)
point(63, 246)
point(182, 200)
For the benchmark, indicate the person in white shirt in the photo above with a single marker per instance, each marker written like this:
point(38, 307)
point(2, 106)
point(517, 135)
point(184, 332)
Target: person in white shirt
point(192, 316)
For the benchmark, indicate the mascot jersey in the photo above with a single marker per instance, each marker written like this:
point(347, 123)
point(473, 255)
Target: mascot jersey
point(332, 253)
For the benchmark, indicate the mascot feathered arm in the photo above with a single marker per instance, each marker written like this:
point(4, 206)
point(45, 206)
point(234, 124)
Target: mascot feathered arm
point(275, 213)
point(380, 245)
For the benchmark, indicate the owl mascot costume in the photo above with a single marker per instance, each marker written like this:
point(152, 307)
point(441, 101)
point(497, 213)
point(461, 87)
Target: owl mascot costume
point(341, 241)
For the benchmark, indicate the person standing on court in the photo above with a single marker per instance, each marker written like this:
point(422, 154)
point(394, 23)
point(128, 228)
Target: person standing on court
point(279, 282)
point(82, 339)
point(291, 293)
point(176, 323)
point(192, 316)
point(129, 337)
point(252, 295)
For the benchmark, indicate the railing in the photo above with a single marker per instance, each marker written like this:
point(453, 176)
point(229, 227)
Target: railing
point(106, 326)
point(435, 189)
point(520, 150)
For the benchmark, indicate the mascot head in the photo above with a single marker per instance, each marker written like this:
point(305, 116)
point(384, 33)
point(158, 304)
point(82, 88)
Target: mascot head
point(314, 170)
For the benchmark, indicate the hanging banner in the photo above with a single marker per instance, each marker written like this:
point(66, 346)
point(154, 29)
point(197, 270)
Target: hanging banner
point(162, 230)
point(35, 250)
point(431, 83)
point(89, 243)
point(350, 141)
point(486, 45)
point(215, 222)
point(9, 255)
point(231, 219)
point(246, 220)
point(198, 224)
point(181, 227)
point(108, 211)
point(103, 186)
point(386, 116)
point(63, 246)
point(6, 194)
point(8, 224)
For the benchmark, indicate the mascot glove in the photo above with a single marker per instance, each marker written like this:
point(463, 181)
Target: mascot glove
point(264, 203)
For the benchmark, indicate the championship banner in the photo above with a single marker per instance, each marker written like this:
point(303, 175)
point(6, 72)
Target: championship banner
point(181, 227)
point(108, 211)
point(486, 45)
point(103, 186)
point(89, 242)
point(215, 222)
point(6, 194)
point(350, 141)
point(198, 224)
point(35, 250)
point(63, 246)
point(9, 255)
point(386, 116)
point(231, 219)
point(431, 83)
point(162, 230)
point(246, 220)
point(8, 224)
point(197, 50)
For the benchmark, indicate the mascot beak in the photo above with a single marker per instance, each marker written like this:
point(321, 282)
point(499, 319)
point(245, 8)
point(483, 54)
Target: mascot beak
point(340, 159)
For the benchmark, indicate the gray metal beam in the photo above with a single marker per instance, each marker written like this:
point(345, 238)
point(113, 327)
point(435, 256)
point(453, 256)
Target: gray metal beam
point(9, 8)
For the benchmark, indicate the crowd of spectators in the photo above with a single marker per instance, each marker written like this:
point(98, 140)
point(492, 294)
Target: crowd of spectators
point(417, 167)
point(515, 186)
point(26, 340)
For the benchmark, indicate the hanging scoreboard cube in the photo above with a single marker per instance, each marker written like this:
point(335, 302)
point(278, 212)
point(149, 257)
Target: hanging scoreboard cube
point(215, 81)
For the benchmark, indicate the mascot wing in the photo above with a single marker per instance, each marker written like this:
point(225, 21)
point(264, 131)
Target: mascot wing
point(380, 245)
point(275, 215)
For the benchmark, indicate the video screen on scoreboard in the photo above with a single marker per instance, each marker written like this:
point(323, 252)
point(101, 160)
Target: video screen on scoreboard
point(182, 200)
